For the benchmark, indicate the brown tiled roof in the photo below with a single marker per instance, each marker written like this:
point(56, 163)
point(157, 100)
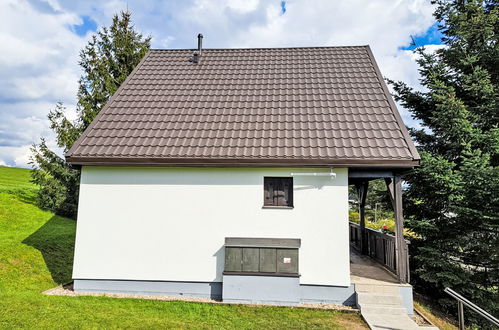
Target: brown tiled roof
point(277, 106)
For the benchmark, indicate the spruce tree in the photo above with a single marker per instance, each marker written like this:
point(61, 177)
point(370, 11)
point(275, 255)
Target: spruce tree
point(106, 61)
point(452, 200)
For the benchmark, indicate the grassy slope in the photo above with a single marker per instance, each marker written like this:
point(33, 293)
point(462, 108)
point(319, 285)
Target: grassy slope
point(441, 321)
point(36, 251)
point(15, 178)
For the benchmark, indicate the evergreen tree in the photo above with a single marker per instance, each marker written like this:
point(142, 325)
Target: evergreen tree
point(107, 60)
point(377, 195)
point(452, 200)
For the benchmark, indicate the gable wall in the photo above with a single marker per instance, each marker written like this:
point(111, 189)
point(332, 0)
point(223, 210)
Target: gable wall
point(169, 224)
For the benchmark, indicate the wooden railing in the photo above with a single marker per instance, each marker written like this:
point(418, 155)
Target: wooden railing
point(380, 246)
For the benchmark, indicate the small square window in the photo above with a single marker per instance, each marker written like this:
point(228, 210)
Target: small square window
point(278, 192)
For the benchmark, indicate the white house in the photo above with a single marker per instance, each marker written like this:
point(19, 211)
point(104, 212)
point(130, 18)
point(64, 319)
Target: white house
point(225, 174)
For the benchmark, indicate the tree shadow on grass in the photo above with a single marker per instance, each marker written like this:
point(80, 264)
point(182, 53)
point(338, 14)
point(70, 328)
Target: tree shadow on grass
point(55, 240)
point(27, 196)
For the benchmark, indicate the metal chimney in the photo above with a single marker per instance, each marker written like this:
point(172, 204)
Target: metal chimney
point(200, 43)
point(196, 55)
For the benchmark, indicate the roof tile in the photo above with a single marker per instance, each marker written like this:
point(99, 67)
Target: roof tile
point(246, 104)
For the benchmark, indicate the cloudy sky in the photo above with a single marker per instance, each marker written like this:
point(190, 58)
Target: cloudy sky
point(41, 40)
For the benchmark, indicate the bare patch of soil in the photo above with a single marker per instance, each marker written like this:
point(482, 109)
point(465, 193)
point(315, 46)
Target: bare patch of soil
point(420, 320)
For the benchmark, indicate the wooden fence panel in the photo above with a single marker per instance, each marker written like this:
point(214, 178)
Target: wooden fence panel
point(381, 247)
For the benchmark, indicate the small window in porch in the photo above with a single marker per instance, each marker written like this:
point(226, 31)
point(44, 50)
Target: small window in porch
point(278, 192)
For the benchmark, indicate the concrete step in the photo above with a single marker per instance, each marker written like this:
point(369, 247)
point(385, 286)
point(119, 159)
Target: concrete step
point(379, 298)
point(377, 288)
point(380, 309)
point(393, 322)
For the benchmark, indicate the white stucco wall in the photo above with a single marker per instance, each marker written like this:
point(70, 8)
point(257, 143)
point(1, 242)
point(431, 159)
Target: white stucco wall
point(155, 223)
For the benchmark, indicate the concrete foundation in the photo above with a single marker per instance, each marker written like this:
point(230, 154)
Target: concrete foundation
point(321, 294)
point(209, 290)
point(236, 288)
point(274, 290)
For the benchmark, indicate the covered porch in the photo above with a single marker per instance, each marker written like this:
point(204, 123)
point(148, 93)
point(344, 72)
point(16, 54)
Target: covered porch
point(365, 270)
point(379, 261)
point(390, 252)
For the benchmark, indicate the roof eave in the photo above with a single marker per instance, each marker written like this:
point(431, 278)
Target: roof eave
point(235, 162)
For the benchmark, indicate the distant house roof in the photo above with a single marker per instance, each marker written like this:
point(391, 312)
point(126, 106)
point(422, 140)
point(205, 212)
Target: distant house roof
point(278, 106)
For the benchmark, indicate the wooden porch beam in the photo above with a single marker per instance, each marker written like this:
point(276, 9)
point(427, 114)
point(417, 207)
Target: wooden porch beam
point(361, 187)
point(372, 175)
point(401, 254)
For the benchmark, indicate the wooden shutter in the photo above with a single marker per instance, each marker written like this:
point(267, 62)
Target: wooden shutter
point(287, 261)
point(287, 189)
point(268, 260)
point(268, 184)
point(233, 259)
point(278, 192)
point(251, 259)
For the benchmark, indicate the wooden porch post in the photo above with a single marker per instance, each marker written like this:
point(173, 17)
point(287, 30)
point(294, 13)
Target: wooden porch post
point(395, 191)
point(362, 194)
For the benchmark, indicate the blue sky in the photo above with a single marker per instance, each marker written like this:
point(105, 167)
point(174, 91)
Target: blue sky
point(38, 66)
point(432, 36)
point(283, 7)
point(87, 25)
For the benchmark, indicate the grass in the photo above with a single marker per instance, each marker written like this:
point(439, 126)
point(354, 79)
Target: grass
point(36, 254)
point(427, 308)
point(16, 181)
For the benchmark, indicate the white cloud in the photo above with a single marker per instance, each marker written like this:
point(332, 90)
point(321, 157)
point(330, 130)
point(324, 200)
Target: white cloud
point(243, 6)
point(15, 156)
point(38, 66)
point(402, 66)
point(385, 25)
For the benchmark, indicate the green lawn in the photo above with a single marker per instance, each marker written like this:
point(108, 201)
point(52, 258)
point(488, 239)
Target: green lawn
point(16, 181)
point(36, 252)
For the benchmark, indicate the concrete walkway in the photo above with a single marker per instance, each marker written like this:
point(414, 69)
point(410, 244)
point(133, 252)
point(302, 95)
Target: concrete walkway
point(379, 295)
